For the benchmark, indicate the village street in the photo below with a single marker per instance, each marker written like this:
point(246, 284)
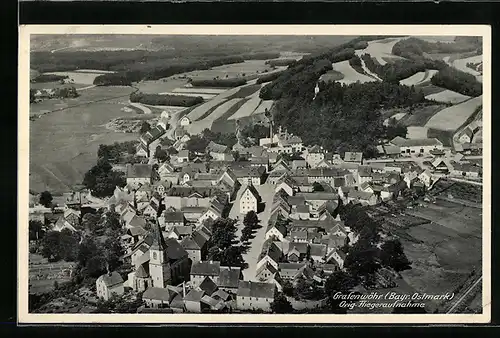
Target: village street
point(266, 191)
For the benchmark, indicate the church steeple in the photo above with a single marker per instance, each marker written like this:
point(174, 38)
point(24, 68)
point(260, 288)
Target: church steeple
point(158, 240)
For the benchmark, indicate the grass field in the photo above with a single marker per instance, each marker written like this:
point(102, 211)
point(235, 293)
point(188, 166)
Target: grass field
point(63, 144)
point(80, 77)
point(381, 49)
point(55, 84)
point(461, 64)
point(203, 96)
point(421, 115)
point(428, 89)
point(43, 274)
point(350, 75)
point(448, 96)
point(207, 121)
point(160, 86)
point(420, 78)
point(452, 118)
point(235, 70)
point(331, 76)
point(200, 90)
point(261, 109)
point(246, 109)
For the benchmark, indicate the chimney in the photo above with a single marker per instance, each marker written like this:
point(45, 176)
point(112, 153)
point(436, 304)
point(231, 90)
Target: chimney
point(107, 269)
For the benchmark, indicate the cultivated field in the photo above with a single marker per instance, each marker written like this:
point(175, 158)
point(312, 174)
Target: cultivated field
point(416, 132)
point(196, 90)
point(43, 274)
point(448, 96)
point(331, 76)
point(55, 84)
point(350, 75)
point(203, 96)
point(420, 116)
point(246, 109)
point(261, 109)
point(419, 78)
point(160, 86)
point(245, 69)
point(64, 143)
point(453, 117)
point(207, 121)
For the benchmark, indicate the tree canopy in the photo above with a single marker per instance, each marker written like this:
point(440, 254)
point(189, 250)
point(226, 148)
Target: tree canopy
point(102, 180)
point(46, 199)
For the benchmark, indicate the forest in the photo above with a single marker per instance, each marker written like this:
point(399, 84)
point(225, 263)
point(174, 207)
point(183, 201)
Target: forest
point(43, 78)
point(458, 81)
point(165, 100)
point(401, 69)
point(281, 62)
point(412, 48)
point(268, 77)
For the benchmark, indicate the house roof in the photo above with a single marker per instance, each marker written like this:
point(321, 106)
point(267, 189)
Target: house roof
point(300, 247)
point(154, 293)
point(173, 216)
point(318, 250)
point(182, 230)
point(242, 172)
point(221, 294)
point(361, 195)
point(183, 153)
point(302, 209)
point(252, 190)
point(111, 279)
point(136, 231)
point(213, 303)
point(229, 276)
point(216, 148)
point(208, 286)
point(194, 296)
point(353, 156)
point(291, 266)
point(317, 196)
point(423, 142)
point(139, 170)
point(142, 271)
point(267, 266)
point(256, 289)
point(205, 268)
point(183, 191)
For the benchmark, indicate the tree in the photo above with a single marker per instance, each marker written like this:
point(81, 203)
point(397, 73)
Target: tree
point(161, 154)
point(46, 199)
point(251, 220)
point(60, 245)
point(36, 230)
point(90, 222)
point(301, 287)
point(197, 144)
point(102, 180)
point(318, 187)
point(281, 304)
point(339, 281)
point(145, 127)
point(362, 260)
point(392, 255)
point(288, 288)
point(111, 220)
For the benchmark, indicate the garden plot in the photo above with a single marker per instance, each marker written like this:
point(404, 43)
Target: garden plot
point(452, 118)
point(246, 109)
point(381, 49)
point(420, 78)
point(350, 75)
point(448, 96)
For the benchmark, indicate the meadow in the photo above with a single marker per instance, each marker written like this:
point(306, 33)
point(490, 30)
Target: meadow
point(447, 96)
point(350, 75)
point(64, 143)
point(420, 78)
point(85, 78)
point(381, 50)
point(451, 118)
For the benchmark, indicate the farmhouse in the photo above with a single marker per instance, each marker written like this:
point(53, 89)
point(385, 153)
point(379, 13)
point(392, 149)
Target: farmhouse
point(255, 296)
point(353, 157)
point(416, 146)
point(158, 297)
point(249, 200)
point(202, 269)
point(229, 278)
point(218, 152)
point(109, 284)
point(184, 121)
point(246, 175)
point(466, 170)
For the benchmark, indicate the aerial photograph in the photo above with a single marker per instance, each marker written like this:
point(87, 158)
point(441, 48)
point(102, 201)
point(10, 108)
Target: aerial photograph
point(255, 174)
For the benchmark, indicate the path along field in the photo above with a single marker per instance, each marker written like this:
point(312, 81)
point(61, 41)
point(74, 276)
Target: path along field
point(350, 74)
point(448, 96)
point(419, 78)
point(452, 118)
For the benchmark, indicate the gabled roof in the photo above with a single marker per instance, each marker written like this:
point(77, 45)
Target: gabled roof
point(318, 250)
point(213, 147)
point(111, 279)
point(173, 216)
point(205, 268)
point(256, 289)
point(267, 266)
point(162, 294)
point(252, 190)
point(318, 196)
point(208, 286)
point(353, 156)
point(424, 142)
point(229, 276)
point(194, 296)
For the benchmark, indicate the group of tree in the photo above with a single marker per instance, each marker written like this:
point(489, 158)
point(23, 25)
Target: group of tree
point(281, 62)
point(250, 226)
point(341, 117)
point(102, 180)
point(253, 132)
point(57, 245)
point(222, 245)
point(397, 70)
point(281, 304)
point(457, 81)
point(161, 154)
point(165, 99)
point(414, 47)
point(43, 78)
point(96, 258)
point(268, 77)
point(369, 253)
point(114, 153)
point(37, 230)
point(66, 92)
point(219, 83)
point(45, 199)
point(356, 64)
point(198, 143)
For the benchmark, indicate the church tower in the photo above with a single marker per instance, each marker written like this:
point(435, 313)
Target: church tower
point(159, 267)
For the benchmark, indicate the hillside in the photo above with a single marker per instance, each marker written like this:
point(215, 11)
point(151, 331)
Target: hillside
point(354, 86)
